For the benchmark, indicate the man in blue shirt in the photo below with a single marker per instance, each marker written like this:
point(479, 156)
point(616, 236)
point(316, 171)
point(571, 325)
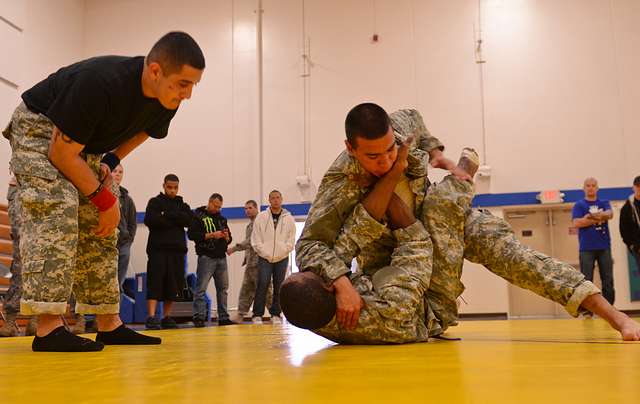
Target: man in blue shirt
point(590, 216)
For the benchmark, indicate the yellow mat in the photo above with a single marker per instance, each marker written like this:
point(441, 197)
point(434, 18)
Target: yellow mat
point(518, 361)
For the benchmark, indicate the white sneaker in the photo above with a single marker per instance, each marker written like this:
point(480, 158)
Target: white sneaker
point(256, 320)
point(276, 320)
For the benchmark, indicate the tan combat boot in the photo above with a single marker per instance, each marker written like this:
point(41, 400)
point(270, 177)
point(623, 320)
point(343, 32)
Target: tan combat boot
point(10, 327)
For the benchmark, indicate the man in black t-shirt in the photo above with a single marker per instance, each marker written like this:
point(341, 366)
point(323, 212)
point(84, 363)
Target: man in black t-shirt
point(71, 130)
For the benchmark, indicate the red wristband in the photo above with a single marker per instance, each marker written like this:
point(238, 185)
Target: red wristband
point(103, 200)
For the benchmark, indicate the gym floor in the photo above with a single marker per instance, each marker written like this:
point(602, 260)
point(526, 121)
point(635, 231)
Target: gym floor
point(514, 361)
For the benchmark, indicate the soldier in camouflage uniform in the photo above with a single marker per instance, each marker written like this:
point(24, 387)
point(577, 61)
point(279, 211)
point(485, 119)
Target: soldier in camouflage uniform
point(71, 130)
point(456, 231)
point(250, 262)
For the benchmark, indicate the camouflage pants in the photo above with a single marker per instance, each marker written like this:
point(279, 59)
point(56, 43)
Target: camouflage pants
point(12, 298)
point(458, 232)
point(394, 309)
point(60, 253)
point(248, 289)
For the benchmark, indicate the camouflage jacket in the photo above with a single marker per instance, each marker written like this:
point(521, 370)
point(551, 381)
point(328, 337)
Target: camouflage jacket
point(250, 256)
point(340, 191)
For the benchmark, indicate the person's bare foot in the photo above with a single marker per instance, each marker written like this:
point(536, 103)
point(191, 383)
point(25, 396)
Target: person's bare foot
point(469, 161)
point(629, 329)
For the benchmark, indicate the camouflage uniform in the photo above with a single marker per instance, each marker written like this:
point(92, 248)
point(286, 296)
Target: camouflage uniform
point(12, 298)
point(394, 306)
point(250, 278)
point(456, 231)
point(60, 253)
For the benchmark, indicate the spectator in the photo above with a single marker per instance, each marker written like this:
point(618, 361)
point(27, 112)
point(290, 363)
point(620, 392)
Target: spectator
point(211, 234)
point(630, 222)
point(166, 217)
point(127, 226)
point(272, 239)
point(250, 262)
point(11, 304)
point(590, 216)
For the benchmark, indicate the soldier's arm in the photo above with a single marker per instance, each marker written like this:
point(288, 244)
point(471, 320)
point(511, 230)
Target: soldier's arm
point(130, 144)
point(336, 198)
point(243, 245)
point(64, 154)
point(406, 122)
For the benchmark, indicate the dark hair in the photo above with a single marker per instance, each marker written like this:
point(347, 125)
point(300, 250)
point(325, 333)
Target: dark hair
point(251, 202)
point(636, 181)
point(217, 196)
point(305, 302)
point(367, 120)
point(275, 190)
point(175, 50)
point(171, 177)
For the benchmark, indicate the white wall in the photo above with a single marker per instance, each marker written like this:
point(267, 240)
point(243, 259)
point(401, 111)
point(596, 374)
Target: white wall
point(44, 45)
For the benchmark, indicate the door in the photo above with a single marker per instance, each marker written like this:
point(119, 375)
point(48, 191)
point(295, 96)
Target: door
point(533, 229)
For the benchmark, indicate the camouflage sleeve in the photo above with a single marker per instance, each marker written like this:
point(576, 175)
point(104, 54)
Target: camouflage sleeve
point(408, 121)
point(359, 230)
point(336, 198)
point(394, 311)
point(243, 245)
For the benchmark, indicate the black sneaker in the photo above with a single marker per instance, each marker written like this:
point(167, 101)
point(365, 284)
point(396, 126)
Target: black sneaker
point(152, 323)
point(226, 322)
point(198, 323)
point(168, 323)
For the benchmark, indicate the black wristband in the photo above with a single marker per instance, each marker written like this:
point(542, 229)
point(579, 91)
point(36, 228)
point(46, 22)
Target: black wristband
point(111, 160)
point(96, 192)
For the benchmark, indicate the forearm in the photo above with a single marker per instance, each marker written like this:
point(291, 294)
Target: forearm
point(127, 147)
point(377, 201)
point(243, 245)
point(64, 154)
point(583, 222)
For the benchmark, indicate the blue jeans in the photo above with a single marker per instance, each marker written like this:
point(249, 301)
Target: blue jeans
point(266, 270)
point(124, 254)
point(207, 268)
point(605, 265)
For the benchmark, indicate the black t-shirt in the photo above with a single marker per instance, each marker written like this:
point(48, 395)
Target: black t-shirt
point(276, 217)
point(99, 102)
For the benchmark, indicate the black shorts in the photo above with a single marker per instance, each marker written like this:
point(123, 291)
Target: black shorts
point(165, 276)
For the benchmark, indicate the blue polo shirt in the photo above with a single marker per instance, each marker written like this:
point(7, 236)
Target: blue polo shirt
point(594, 237)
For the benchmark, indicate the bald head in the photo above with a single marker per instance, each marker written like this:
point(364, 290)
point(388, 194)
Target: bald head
point(306, 302)
point(590, 188)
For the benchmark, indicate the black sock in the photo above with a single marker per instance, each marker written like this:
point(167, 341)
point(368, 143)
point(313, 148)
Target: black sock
point(125, 336)
point(61, 340)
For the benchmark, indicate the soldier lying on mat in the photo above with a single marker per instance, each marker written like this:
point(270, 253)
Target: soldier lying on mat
point(347, 220)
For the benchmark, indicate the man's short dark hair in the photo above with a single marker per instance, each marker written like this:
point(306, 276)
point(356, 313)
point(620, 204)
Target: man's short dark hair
point(171, 177)
point(636, 181)
point(252, 203)
point(305, 302)
point(367, 120)
point(275, 191)
point(175, 50)
point(217, 196)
